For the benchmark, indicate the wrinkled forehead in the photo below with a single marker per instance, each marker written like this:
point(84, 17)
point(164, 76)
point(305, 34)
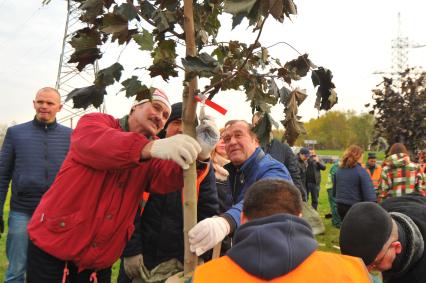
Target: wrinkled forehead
point(237, 127)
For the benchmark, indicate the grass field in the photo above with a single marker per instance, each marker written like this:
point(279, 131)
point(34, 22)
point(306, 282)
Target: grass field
point(327, 242)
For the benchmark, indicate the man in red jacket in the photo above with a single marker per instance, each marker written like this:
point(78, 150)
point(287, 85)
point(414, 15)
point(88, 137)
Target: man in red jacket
point(83, 221)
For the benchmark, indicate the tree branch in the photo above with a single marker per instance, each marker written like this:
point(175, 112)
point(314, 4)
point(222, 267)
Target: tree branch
point(249, 52)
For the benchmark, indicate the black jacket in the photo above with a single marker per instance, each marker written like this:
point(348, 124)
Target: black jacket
point(283, 153)
point(413, 206)
point(313, 171)
point(302, 169)
point(159, 231)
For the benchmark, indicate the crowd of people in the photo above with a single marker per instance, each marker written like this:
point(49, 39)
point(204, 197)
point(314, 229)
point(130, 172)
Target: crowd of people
point(112, 189)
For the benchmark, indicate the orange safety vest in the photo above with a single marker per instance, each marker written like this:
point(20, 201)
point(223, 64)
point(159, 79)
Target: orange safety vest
point(375, 178)
point(319, 267)
point(200, 178)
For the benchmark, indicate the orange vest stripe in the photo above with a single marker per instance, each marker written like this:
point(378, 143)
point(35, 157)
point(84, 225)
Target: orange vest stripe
point(200, 178)
point(375, 178)
point(319, 267)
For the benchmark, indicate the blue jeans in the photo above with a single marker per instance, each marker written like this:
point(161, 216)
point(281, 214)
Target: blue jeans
point(16, 247)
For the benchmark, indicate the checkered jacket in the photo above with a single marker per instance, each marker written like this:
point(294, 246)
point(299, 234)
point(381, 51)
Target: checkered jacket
point(400, 176)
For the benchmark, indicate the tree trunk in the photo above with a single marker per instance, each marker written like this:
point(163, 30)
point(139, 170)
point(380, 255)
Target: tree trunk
point(189, 110)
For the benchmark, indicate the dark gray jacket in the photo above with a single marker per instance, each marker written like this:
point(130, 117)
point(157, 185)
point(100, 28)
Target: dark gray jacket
point(283, 153)
point(31, 156)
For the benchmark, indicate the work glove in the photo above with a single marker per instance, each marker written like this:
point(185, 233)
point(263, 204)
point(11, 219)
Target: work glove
point(207, 233)
point(132, 266)
point(182, 149)
point(208, 134)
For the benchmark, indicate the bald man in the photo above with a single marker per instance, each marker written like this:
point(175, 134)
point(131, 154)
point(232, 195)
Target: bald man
point(30, 157)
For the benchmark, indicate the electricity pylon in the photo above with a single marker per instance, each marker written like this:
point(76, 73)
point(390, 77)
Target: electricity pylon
point(69, 77)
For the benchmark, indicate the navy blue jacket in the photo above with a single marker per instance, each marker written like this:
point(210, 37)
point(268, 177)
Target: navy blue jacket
point(31, 156)
point(272, 246)
point(257, 167)
point(352, 185)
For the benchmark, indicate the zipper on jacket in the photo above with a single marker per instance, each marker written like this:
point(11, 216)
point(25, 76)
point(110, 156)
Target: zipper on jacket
point(46, 173)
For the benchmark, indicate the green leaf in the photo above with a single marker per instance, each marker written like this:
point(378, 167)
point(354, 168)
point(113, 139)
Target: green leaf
point(107, 76)
point(161, 21)
point(163, 68)
point(126, 11)
point(86, 96)
point(112, 23)
point(92, 9)
point(117, 26)
point(84, 57)
point(147, 9)
point(145, 40)
point(203, 65)
point(263, 129)
point(86, 38)
point(273, 88)
point(165, 50)
point(238, 6)
point(134, 87)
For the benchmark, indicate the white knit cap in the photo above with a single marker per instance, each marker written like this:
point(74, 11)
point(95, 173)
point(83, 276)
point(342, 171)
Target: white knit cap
point(157, 95)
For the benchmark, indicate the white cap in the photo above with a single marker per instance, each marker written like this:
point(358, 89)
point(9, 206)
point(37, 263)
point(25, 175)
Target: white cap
point(158, 95)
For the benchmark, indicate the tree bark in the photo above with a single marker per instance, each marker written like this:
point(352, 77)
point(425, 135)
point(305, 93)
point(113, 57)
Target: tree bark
point(189, 116)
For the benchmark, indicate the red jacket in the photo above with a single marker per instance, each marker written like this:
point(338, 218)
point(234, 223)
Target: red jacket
point(87, 214)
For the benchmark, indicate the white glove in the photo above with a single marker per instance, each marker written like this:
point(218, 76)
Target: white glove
point(208, 134)
point(207, 233)
point(132, 266)
point(180, 148)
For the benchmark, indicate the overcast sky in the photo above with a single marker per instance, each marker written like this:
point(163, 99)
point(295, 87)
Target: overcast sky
point(351, 38)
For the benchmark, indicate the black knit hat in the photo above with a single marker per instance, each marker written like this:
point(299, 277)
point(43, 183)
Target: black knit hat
point(175, 114)
point(365, 229)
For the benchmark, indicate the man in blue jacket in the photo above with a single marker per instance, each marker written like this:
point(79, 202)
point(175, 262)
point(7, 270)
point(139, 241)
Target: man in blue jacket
point(31, 156)
point(248, 164)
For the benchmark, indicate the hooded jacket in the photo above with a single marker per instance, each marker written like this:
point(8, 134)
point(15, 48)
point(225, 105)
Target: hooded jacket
point(400, 176)
point(282, 248)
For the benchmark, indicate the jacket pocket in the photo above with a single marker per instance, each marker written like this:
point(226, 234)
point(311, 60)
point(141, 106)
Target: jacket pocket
point(62, 223)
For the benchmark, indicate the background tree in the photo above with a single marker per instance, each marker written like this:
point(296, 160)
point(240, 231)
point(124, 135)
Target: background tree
point(400, 112)
point(160, 27)
point(338, 130)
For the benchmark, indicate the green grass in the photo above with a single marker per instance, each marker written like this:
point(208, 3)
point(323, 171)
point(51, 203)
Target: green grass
point(330, 239)
point(3, 259)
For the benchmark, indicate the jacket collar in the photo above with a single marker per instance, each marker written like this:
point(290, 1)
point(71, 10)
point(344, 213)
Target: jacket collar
point(248, 164)
point(44, 125)
point(124, 123)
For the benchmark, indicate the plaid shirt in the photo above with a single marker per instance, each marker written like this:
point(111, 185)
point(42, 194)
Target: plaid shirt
point(400, 176)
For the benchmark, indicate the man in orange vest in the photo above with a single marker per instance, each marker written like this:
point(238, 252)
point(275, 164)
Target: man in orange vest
point(277, 244)
point(373, 169)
